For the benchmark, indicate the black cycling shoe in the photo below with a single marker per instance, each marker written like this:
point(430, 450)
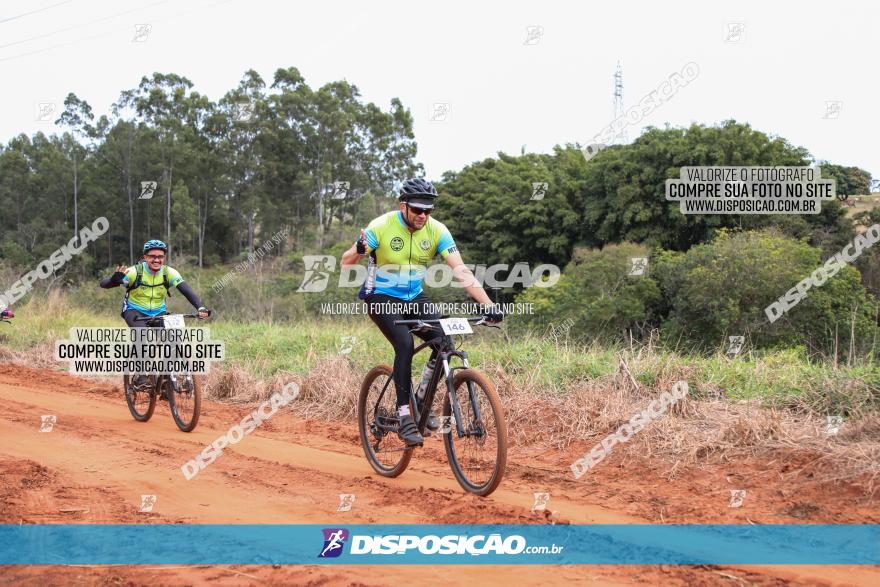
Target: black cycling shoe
point(408, 432)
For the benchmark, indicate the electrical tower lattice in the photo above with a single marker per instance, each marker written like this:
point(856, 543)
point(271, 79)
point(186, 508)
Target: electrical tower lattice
point(620, 135)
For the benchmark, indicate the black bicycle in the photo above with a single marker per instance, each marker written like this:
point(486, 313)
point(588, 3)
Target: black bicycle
point(473, 426)
point(182, 391)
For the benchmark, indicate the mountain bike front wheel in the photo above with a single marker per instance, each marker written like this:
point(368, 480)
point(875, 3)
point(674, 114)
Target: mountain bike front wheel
point(185, 400)
point(476, 443)
point(141, 401)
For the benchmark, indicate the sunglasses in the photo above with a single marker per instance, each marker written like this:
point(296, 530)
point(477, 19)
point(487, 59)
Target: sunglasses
point(419, 211)
point(155, 257)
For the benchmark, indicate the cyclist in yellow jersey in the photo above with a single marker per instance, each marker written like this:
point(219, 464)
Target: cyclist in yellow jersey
point(148, 285)
point(400, 246)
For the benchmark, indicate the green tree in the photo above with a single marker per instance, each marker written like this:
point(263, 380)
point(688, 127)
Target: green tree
point(185, 214)
point(598, 296)
point(496, 216)
point(624, 196)
point(850, 180)
point(77, 117)
point(166, 103)
point(722, 288)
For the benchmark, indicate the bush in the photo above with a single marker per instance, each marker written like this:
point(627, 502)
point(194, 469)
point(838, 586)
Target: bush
point(597, 297)
point(722, 288)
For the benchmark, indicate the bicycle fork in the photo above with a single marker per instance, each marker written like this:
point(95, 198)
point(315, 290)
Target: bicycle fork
point(453, 397)
point(420, 408)
point(175, 386)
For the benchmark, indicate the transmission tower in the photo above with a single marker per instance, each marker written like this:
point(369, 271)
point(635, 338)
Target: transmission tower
point(620, 135)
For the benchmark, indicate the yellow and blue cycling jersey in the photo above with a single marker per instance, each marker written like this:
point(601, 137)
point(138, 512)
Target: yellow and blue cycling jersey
point(399, 258)
point(149, 298)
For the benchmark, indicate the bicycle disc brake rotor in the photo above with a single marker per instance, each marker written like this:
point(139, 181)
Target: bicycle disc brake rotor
point(478, 432)
point(133, 390)
point(166, 389)
point(185, 388)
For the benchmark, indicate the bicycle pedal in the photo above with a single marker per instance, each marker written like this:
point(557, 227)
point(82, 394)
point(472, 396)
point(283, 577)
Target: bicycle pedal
point(433, 423)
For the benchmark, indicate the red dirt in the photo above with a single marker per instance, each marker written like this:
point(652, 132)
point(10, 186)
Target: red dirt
point(98, 461)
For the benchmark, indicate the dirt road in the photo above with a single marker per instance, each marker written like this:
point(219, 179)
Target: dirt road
point(97, 462)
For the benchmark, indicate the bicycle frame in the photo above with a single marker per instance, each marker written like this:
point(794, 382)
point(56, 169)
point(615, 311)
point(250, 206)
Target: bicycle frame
point(160, 380)
point(476, 450)
point(154, 322)
point(444, 353)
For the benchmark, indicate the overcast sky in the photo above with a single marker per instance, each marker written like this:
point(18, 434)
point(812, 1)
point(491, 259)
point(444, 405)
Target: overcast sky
point(775, 65)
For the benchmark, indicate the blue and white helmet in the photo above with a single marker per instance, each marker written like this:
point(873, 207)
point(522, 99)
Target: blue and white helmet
point(155, 244)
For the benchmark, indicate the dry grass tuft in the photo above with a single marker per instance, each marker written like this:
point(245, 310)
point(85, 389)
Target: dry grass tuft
point(7, 355)
point(41, 356)
point(232, 384)
point(330, 392)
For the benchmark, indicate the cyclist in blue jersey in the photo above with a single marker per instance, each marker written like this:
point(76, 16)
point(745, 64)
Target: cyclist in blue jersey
point(400, 246)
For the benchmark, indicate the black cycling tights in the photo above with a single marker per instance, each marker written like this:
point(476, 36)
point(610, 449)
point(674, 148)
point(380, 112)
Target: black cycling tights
point(130, 315)
point(384, 310)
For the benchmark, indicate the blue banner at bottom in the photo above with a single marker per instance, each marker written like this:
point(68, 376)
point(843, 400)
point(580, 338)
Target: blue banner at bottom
point(637, 544)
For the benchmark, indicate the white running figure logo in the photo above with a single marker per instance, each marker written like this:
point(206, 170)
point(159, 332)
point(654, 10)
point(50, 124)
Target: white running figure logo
point(335, 542)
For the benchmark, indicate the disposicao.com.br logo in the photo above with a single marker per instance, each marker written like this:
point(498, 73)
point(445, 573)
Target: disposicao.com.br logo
point(450, 544)
point(334, 540)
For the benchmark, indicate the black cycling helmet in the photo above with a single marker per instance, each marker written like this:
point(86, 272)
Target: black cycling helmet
point(418, 193)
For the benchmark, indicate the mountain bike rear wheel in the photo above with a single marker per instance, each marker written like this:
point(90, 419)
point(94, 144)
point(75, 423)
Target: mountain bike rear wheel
point(142, 401)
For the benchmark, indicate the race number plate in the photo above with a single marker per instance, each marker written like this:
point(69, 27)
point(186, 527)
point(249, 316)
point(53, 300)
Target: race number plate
point(173, 321)
point(455, 326)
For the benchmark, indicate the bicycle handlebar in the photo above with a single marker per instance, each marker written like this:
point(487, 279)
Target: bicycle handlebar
point(148, 318)
point(422, 323)
point(434, 320)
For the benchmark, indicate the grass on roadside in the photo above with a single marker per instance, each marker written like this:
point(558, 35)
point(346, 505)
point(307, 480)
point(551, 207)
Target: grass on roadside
point(550, 365)
point(555, 392)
